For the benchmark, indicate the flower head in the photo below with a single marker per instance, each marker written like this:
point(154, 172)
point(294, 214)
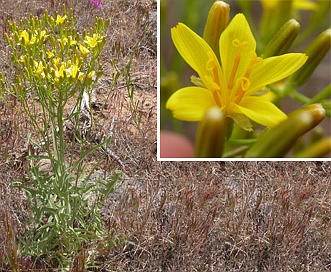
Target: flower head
point(60, 19)
point(24, 35)
point(72, 70)
point(83, 50)
point(93, 41)
point(233, 84)
point(97, 3)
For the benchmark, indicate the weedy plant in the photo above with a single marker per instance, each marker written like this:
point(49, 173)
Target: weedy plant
point(56, 64)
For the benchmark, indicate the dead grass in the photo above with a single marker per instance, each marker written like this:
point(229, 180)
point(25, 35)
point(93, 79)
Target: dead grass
point(243, 216)
point(170, 216)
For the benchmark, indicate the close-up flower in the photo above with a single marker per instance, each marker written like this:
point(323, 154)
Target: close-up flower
point(233, 83)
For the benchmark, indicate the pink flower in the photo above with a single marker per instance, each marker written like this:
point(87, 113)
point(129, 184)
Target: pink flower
point(97, 3)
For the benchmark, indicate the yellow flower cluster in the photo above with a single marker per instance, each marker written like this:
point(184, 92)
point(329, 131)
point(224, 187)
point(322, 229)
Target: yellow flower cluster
point(36, 37)
point(59, 70)
point(53, 65)
point(53, 58)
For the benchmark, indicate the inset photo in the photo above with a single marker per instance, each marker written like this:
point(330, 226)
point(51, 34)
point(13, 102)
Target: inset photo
point(244, 80)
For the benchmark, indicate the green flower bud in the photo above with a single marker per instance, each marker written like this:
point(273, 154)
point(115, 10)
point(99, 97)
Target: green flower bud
point(274, 15)
point(9, 40)
point(283, 39)
point(316, 150)
point(277, 141)
point(217, 21)
point(211, 135)
point(2, 82)
point(317, 111)
point(315, 52)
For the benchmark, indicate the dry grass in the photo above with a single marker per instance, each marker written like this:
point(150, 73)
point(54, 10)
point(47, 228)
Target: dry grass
point(181, 216)
point(243, 216)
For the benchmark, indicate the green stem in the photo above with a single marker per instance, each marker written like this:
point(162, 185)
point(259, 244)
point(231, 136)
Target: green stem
point(325, 93)
point(300, 97)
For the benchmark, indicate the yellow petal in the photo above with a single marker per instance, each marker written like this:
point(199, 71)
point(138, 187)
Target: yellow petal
point(24, 34)
point(261, 111)
point(274, 69)
point(237, 32)
point(194, 50)
point(190, 103)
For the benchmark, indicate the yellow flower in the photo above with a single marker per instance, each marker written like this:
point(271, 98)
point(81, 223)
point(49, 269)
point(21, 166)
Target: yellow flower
point(93, 41)
point(25, 36)
point(81, 76)
point(59, 73)
point(72, 70)
point(39, 69)
point(233, 84)
point(83, 50)
point(41, 35)
point(60, 19)
point(63, 41)
point(56, 62)
point(71, 41)
point(90, 74)
point(50, 54)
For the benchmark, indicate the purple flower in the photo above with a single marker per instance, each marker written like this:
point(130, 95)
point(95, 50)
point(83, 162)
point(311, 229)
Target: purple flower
point(97, 3)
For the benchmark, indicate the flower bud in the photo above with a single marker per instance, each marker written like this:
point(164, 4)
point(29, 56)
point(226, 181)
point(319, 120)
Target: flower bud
point(211, 135)
point(9, 41)
point(277, 141)
point(283, 39)
point(317, 111)
point(2, 83)
point(274, 15)
point(315, 52)
point(217, 21)
point(317, 150)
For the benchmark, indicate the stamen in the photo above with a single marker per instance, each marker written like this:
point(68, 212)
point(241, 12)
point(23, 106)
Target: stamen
point(255, 60)
point(214, 87)
point(241, 46)
point(212, 66)
point(243, 84)
point(216, 98)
